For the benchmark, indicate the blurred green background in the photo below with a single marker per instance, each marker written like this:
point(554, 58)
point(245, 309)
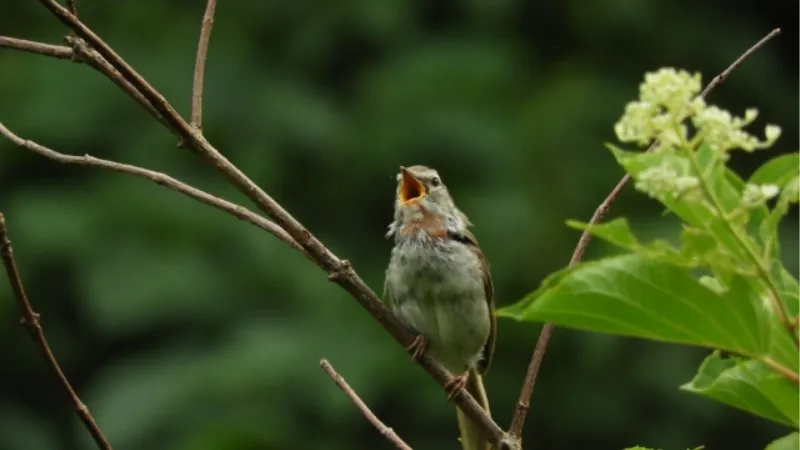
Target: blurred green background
point(183, 328)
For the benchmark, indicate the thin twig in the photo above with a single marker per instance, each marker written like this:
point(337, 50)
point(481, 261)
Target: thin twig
point(83, 53)
point(79, 52)
point(53, 51)
point(238, 211)
point(523, 403)
point(719, 79)
point(385, 431)
point(339, 270)
point(200, 64)
point(71, 8)
point(783, 371)
point(31, 320)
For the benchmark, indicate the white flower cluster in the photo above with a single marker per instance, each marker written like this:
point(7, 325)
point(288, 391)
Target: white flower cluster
point(665, 180)
point(755, 195)
point(668, 97)
point(723, 131)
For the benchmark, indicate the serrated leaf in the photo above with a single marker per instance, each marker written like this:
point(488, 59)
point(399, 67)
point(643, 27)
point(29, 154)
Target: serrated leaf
point(788, 442)
point(778, 170)
point(634, 295)
point(748, 385)
point(617, 232)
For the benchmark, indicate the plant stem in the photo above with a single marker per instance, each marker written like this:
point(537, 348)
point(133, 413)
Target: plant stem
point(763, 271)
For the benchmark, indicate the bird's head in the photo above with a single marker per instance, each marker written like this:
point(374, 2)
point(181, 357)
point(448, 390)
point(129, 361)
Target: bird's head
point(420, 190)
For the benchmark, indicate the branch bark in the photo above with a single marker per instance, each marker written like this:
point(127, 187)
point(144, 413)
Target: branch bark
point(31, 320)
point(385, 431)
point(40, 48)
point(339, 270)
point(238, 211)
point(523, 404)
point(200, 64)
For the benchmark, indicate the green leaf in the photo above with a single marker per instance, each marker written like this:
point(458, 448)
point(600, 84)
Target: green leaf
point(789, 290)
point(788, 442)
point(616, 232)
point(634, 295)
point(698, 244)
point(748, 385)
point(778, 170)
point(787, 284)
point(788, 195)
point(619, 233)
point(693, 209)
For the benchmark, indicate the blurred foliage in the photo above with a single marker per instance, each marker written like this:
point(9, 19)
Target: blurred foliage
point(184, 328)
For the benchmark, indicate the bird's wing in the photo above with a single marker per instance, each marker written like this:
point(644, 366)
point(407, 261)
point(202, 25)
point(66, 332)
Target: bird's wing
point(467, 238)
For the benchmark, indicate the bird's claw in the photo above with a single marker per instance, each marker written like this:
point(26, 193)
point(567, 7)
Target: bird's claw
point(417, 347)
point(456, 384)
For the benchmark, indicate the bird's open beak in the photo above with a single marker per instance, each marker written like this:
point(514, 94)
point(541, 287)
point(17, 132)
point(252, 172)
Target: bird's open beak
point(410, 188)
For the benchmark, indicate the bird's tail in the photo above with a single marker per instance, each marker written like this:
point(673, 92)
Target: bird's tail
point(471, 436)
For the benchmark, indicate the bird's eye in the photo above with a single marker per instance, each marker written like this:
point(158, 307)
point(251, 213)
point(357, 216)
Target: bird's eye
point(436, 182)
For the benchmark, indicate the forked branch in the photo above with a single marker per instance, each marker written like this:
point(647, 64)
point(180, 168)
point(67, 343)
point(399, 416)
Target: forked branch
point(523, 404)
point(339, 270)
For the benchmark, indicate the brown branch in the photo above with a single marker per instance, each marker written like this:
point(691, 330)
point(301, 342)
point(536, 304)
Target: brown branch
point(83, 53)
point(235, 210)
point(339, 270)
point(71, 8)
point(385, 431)
point(719, 79)
point(523, 403)
point(79, 52)
point(53, 51)
point(31, 320)
point(786, 372)
point(172, 119)
point(200, 64)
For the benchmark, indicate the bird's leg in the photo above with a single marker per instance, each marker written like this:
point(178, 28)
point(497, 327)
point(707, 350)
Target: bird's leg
point(456, 384)
point(418, 347)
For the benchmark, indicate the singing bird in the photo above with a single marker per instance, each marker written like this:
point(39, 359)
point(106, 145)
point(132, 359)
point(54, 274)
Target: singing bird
point(439, 286)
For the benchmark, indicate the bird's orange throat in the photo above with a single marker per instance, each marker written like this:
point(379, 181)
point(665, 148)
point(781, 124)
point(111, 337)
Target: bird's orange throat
point(427, 223)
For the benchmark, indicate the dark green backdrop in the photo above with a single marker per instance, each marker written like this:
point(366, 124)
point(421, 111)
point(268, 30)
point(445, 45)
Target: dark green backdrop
point(184, 328)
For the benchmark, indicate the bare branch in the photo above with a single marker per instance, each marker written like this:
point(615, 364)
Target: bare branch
point(235, 210)
point(79, 52)
point(171, 117)
point(200, 64)
point(54, 51)
point(83, 53)
point(339, 270)
point(719, 79)
point(71, 8)
point(385, 431)
point(523, 404)
point(31, 320)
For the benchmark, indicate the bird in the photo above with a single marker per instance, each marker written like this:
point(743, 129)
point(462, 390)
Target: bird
point(438, 284)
